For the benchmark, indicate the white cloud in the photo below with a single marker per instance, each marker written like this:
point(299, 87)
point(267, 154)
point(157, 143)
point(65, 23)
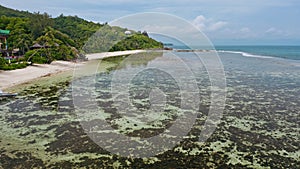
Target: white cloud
point(273, 30)
point(234, 33)
point(216, 26)
point(209, 25)
point(199, 22)
point(276, 32)
point(245, 30)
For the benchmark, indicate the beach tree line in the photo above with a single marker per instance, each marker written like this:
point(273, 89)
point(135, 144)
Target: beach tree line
point(39, 38)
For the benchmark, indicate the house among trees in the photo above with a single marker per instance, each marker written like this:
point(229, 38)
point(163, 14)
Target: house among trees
point(3, 39)
point(3, 42)
point(127, 32)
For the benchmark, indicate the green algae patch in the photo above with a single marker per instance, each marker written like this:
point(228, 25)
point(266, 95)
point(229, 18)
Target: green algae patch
point(41, 128)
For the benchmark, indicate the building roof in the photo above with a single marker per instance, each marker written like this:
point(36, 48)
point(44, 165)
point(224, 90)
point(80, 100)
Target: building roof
point(4, 32)
point(127, 32)
point(36, 46)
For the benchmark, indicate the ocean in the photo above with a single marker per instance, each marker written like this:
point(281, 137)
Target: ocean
point(286, 52)
point(153, 110)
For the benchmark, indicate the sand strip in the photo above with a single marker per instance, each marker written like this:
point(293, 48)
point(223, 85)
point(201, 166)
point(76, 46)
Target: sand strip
point(12, 78)
point(103, 55)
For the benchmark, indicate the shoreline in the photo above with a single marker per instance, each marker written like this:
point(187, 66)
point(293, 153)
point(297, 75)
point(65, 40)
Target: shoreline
point(11, 79)
point(96, 56)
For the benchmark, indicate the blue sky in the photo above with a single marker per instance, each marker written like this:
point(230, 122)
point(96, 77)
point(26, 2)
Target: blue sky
point(224, 22)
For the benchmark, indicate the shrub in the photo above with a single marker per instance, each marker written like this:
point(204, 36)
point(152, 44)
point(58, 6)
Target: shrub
point(2, 61)
point(38, 56)
point(13, 66)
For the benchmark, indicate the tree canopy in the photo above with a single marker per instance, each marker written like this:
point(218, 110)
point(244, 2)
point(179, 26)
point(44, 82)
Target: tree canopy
point(137, 41)
point(64, 37)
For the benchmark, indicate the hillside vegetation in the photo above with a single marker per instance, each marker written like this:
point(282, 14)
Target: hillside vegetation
point(62, 38)
point(136, 41)
point(78, 29)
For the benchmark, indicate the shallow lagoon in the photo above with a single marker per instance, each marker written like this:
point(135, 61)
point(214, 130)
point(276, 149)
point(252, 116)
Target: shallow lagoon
point(259, 128)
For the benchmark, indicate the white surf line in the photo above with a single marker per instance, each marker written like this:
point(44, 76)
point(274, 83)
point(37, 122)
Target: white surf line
point(247, 54)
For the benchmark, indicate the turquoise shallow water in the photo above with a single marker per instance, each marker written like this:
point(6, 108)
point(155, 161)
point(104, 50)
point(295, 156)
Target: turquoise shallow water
point(259, 127)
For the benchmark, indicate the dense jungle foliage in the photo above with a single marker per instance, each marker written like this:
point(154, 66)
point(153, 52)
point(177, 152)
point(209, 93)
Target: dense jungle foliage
point(39, 38)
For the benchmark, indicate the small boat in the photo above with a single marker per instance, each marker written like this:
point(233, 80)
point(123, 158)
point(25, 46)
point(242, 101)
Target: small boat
point(2, 94)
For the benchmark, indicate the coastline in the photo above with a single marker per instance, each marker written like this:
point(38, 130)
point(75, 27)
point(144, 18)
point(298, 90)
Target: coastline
point(96, 56)
point(20, 77)
point(12, 78)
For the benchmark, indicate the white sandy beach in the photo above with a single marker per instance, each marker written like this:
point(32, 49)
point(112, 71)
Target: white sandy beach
point(15, 77)
point(103, 55)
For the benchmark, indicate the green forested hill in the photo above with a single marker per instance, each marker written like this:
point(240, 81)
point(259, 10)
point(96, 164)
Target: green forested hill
point(104, 39)
point(78, 29)
point(63, 37)
point(13, 13)
point(136, 41)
